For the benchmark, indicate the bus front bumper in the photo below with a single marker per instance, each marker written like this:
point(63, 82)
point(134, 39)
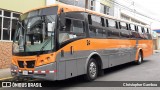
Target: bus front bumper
point(46, 72)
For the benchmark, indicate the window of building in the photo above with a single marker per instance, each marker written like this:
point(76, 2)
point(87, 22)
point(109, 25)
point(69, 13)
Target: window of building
point(0, 27)
point(7, 13)
point(8, 22)
point(90, 4)
point(104, 9)
point(16, 15)
point(14, 25)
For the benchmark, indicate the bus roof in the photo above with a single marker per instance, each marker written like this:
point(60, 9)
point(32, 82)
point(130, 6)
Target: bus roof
point(71, 8)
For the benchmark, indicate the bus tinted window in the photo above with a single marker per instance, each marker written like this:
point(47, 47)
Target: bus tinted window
point(123, 25)
point(102, 21)
point(78, 28)
point(106, 22)
point(145, 30)
point(96, 20)
point(90, 19)
point(97, 32)
point(132, 27)
point(111, 23)
point(139, 29)
point(74, 29)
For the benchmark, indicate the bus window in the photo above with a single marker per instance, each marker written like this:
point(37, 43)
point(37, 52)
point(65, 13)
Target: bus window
point(123, 25)
point(139, 29)
point(132, 27)
point(145, 30)
point(96, 20)
point(111, 23)
point(97, 32)
point(100, 33)
point(78, 28)
point(68, 25)
point(106, 22)
point(74, 29)
point(102, 21)
point(89, 19)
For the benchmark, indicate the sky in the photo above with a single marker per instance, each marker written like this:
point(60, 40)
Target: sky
point(150, 8)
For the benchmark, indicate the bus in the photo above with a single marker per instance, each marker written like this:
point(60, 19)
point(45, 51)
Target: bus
point(62, 41)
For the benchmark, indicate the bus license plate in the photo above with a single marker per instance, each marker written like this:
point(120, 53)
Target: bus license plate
point(25, 73)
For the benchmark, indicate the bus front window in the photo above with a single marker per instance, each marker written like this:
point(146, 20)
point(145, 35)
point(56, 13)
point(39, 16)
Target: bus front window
point(35, 34)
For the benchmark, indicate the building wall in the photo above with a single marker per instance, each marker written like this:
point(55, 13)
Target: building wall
point(5, 54)
point(21, 5)
point(8, 9)
point(81, 3)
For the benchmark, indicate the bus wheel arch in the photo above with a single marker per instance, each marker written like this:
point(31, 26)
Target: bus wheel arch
point(139, 57)
point(96, 57)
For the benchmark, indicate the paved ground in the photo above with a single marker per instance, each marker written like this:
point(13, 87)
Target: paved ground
point(5, 73)
point(147, 71)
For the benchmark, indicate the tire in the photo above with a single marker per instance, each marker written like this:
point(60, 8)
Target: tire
point(140, 59)
point(92, 70)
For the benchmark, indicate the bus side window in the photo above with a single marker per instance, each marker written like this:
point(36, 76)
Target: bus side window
point(78, 28)
point(111, 23)
point(74, 29)
point(68, 25)
point(123, 25)
point(89, 19)
point(132, 27)
point(106, 22)
point(102, 21)
point(92, 31)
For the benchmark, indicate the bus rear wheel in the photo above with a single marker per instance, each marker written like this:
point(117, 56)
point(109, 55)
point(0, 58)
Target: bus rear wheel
point(140, 59)
point(92, 70)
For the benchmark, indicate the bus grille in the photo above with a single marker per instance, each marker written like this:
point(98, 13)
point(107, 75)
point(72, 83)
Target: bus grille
point(29, 64)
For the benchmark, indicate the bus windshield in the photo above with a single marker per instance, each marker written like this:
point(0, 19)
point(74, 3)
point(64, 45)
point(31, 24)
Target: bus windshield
point(35, 34)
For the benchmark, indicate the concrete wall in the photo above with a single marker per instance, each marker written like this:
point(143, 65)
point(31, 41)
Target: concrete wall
point(21, 5)
point(5, 54)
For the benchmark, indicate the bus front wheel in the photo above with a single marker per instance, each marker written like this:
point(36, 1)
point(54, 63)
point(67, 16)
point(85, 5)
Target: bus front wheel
point(92, 70)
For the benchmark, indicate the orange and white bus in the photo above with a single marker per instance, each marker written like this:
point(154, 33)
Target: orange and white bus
point(63, 41)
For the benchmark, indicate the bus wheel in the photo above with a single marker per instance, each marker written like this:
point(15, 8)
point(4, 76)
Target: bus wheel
point(92, 70)
point(140, 59)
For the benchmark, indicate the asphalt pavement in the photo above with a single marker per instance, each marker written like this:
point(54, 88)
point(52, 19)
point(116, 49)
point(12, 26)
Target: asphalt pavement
point(149, 70)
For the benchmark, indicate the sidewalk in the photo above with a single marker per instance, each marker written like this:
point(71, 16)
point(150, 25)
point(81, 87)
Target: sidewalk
point(5, 73)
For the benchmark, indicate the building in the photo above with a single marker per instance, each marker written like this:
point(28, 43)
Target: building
point(125, 9)
point(9, 13)
point(156, 39)
point(102, 6)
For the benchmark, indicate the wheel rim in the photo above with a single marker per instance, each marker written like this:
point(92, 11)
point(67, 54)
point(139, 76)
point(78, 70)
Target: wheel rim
point(92, 69)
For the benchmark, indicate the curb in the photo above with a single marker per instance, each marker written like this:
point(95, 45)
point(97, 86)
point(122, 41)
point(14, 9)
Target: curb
point(1, 79)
